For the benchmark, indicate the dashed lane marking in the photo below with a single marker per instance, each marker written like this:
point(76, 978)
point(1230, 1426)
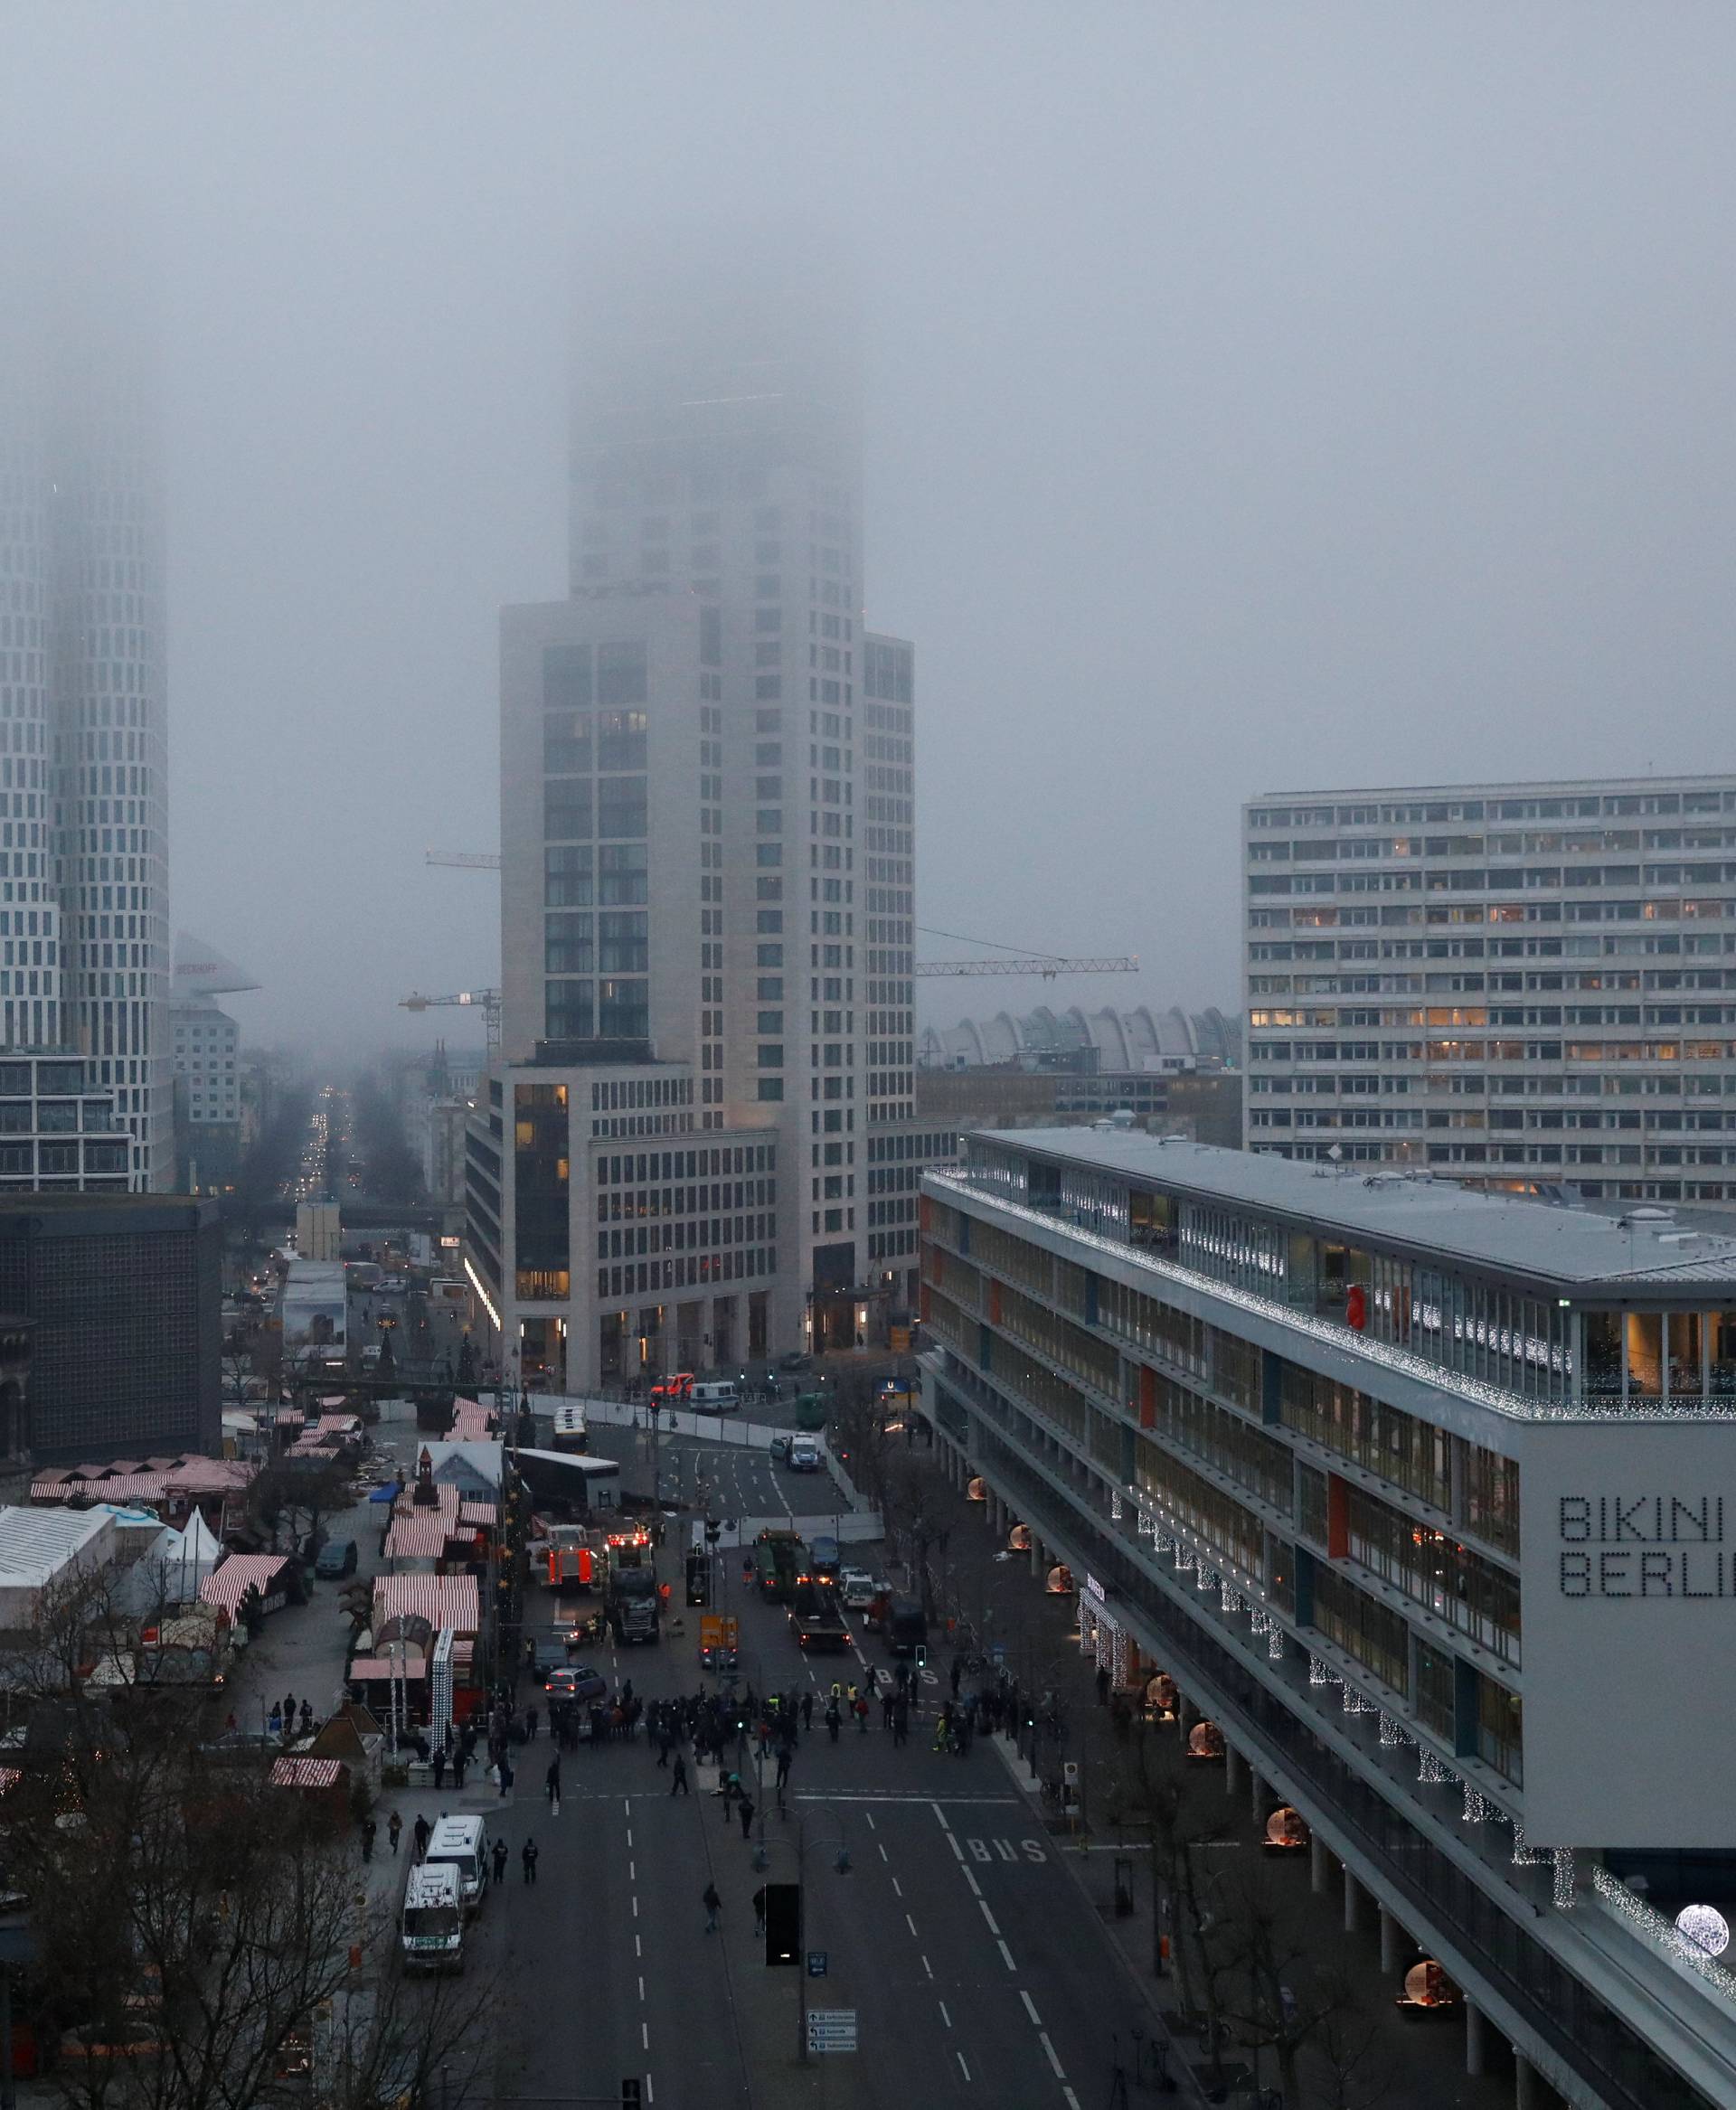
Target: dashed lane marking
point(883, 1854)
point(1006, 1955)
point(953, 1843)
point(898, 1887)
point(976, 1887)
point(912, 1924)
point(930, 1969)
point(1058, 2070)
point(945, 2017)
point(994, 1924)
point(942, 1815)
point(962, 2067)
point(1031, 2008)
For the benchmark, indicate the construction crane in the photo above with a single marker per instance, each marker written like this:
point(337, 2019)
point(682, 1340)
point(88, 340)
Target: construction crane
point(486, 1000)
point(1047, 965)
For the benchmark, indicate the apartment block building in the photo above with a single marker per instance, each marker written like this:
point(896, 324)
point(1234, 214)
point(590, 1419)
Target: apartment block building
point(1423, 1498)
point(1512, 983)
point(706, 809)
point(84, 955)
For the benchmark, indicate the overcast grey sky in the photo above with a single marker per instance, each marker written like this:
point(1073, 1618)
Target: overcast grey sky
point(1259, 397)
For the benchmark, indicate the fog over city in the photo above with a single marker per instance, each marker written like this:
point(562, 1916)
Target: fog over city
point(1256, 399)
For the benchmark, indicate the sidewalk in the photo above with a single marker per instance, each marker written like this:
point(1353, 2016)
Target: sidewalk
point(1424, 2064)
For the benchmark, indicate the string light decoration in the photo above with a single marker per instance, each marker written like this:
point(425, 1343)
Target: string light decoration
point(1119, 1665)
point(1391, 1733)
point(1478, 1809)
point(1664, 1934)
point(1357, 1701)
point(1319, 1673)
point(1525, 1856)
point(1275, 1643)
point(1431, 1770)
point(1565, 1884)
point(1115, 1505)
point(1230, 1600)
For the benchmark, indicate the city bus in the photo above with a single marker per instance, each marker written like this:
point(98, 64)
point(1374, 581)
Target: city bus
point(569, 1431)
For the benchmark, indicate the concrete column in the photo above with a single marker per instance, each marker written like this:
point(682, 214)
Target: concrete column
point(1526, 2092)
point(1354, 1896)
point(1319, 1865)
point(1473, 2039)
point(1390, 1933)
point(1232, 1769)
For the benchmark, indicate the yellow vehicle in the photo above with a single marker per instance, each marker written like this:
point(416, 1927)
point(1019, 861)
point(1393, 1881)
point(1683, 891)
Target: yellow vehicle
point(718, 1635)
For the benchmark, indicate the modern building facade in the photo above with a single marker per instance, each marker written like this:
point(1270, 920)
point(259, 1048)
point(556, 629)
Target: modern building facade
point(1511, 984)
point(706, 791)
point(84, 959)
point(55, 1131)
point(640, 1241)
point(1423, 1496)
point(123, 1298)
point(207, 1057)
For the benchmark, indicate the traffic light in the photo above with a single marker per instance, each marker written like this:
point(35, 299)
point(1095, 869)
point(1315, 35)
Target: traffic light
point(921, 1656)
point(784, 1924)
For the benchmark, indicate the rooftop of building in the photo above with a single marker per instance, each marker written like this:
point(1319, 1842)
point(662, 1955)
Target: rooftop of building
point(1505, 784)
point(63, 1213)
point(1507, 1234)
point(35, 1544)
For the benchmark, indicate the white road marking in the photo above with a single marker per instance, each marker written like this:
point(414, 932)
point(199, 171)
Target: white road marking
point(898, 1887)
point(883, 1854)
point(650, 2093)
point(868, 1818)
point(629, 1835)
point(1071, 2099)
point(1060, 2070)
point(641, 1986)
point(942, 1815)
point(976, 1887)
point(1031, 2008)
point(638, 1947)
point(945, 2017)
point(993, 1927)
point(912, 1924)
point(1007, 1956)
point(928, 1968)
point(962, 2067)
point(953, 1843)
point(632, 1875)
point(645, 2038)
point(636, 1908)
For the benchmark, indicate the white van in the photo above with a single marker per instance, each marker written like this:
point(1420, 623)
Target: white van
point(432, 1928)
point(721, 1398)
point(463, 1843)
point(803, 1455)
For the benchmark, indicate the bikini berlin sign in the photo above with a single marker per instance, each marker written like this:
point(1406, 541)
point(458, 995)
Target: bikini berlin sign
point(1629, 1589)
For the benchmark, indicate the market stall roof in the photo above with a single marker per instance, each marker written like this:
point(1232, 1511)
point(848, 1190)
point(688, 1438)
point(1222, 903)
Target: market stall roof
point(443, 1600)
point(306, 1772)
point(226, 1586)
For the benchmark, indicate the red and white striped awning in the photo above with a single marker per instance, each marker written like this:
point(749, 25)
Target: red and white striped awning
point(364, 1668)
point(306, 1772)
point(483, 1515)
point(229, 1583)
point(418, 1536)
point(443, 1600)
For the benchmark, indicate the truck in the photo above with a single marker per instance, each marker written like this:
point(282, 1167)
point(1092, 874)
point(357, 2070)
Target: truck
point(779, 1559)
point(573, 1553)
point(718, 1642)
point(632, 1599)
point(816, 1617)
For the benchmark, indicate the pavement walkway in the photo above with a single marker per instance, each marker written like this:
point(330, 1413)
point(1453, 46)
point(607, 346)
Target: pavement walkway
point(1423, 2065)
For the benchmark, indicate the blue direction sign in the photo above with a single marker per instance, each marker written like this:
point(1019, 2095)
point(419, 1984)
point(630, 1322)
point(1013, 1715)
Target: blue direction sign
point(816, 1963)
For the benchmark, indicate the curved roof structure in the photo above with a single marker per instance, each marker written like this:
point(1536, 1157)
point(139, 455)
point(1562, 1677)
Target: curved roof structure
point(1127, 1041)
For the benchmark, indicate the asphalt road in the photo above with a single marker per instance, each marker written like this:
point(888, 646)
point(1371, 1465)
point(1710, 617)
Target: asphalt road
point(721, 1478)
point(976, 1969)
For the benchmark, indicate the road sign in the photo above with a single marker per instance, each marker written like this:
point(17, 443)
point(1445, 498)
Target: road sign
point(816, 1963)
point(831, 2028)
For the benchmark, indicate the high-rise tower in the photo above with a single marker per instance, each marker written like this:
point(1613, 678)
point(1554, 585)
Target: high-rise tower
point(706, 790)
point(83, 825)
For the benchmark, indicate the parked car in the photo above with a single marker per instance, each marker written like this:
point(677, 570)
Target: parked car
point(779, 1449)
point(336, 1559)
point(544, 1656)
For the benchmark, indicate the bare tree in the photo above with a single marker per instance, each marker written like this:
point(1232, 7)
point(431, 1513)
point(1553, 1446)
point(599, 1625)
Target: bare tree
point(195, 1925)
point(922, 1512)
